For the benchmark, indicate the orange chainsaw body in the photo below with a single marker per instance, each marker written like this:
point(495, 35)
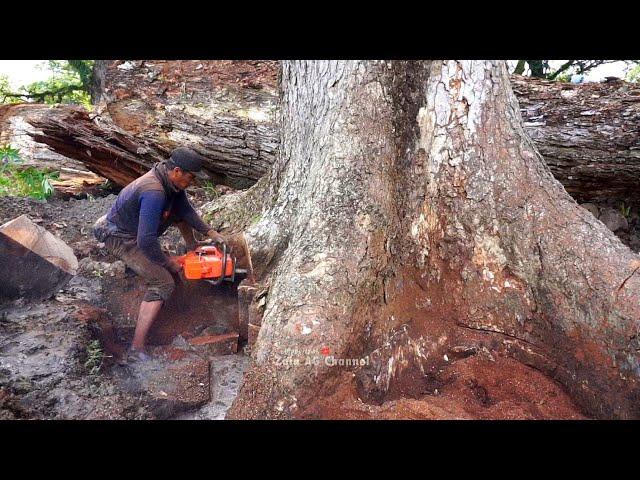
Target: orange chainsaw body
point(206, 263)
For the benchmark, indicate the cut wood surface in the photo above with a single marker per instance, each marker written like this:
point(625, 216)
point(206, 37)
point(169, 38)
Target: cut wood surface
point(33, 262)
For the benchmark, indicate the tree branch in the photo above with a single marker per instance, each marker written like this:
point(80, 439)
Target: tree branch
point(561, 69)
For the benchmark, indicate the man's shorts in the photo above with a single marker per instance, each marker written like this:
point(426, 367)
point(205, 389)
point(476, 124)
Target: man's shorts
point(160, 282)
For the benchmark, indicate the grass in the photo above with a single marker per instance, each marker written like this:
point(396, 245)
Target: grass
point(95, 357)
point(625, 211)
point(210, 190)
point(19, 181)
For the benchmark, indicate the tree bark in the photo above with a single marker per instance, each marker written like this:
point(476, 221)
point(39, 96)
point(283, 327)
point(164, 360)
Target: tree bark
point(409, 218)
point(230, 149)
point(223, 109)
point(587, 134)
point(99, 145)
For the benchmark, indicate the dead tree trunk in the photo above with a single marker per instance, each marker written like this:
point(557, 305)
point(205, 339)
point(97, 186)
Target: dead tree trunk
point(237, 153)
point(100, 146)
point(223, 109)
point(588, 134)
point(409, 221)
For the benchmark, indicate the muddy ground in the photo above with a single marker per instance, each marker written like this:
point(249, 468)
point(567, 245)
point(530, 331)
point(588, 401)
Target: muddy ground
point(46, 349)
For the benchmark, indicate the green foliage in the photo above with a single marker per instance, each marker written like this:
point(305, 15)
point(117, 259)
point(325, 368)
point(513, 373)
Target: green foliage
point(563, 77)
point(8, 154)
point(633, 75)
point(70, 82)
point(23, 182)
point(210, 190)
point(5, 88)
point(84, 69)
point(95, 357)
point(98, 273)
point(563, 73)
point(106, 185)
point(625, 211)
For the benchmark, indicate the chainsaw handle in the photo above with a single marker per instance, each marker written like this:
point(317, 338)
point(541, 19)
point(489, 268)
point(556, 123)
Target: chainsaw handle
point(210, 241)
point(224, 264)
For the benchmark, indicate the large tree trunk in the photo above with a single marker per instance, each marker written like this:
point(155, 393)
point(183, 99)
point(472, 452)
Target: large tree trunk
point(409, 221)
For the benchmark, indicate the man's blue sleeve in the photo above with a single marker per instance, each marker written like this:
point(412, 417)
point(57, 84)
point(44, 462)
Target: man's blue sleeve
point(151, 205)
point(183, 209)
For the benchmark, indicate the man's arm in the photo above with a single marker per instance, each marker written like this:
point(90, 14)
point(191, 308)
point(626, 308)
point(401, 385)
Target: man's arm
point(184, 210)
point(151, 205)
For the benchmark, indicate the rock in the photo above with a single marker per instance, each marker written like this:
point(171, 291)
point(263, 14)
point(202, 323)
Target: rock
point(590, 207)
point(116, 269)
point(614, 220)
point(634, 243)
point(34, 264)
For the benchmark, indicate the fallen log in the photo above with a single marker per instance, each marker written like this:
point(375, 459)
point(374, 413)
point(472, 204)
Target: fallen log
point(103, 148)
point(588, 134)
point(236, 153)
point(34, 264)
point(73, 183)
point(224, 109)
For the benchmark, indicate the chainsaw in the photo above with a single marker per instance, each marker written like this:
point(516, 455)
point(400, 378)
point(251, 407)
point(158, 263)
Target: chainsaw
point(211, 264)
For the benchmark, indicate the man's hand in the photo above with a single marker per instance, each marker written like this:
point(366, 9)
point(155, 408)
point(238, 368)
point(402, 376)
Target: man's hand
point(215, 236)
point(173, 266)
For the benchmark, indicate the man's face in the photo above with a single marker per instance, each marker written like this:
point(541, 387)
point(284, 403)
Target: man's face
point(181, 178)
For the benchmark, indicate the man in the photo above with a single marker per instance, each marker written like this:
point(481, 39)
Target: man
point(143, 211)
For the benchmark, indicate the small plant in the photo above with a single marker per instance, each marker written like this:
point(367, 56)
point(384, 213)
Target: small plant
point(8, 154)
point(106, 185)
point(95, 357)
point(625, 211)
point(210, 189)
point(23, 182)
point(98, 273)
point(47, 188)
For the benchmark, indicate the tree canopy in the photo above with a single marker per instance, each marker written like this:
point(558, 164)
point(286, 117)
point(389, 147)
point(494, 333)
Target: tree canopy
point(543, 68)
point(69, 83)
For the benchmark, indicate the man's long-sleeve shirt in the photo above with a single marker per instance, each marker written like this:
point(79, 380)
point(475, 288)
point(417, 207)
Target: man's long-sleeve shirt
point(144, 207)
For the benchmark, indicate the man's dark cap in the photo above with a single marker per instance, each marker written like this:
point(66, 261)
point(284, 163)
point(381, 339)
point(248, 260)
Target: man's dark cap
point(186, 159)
